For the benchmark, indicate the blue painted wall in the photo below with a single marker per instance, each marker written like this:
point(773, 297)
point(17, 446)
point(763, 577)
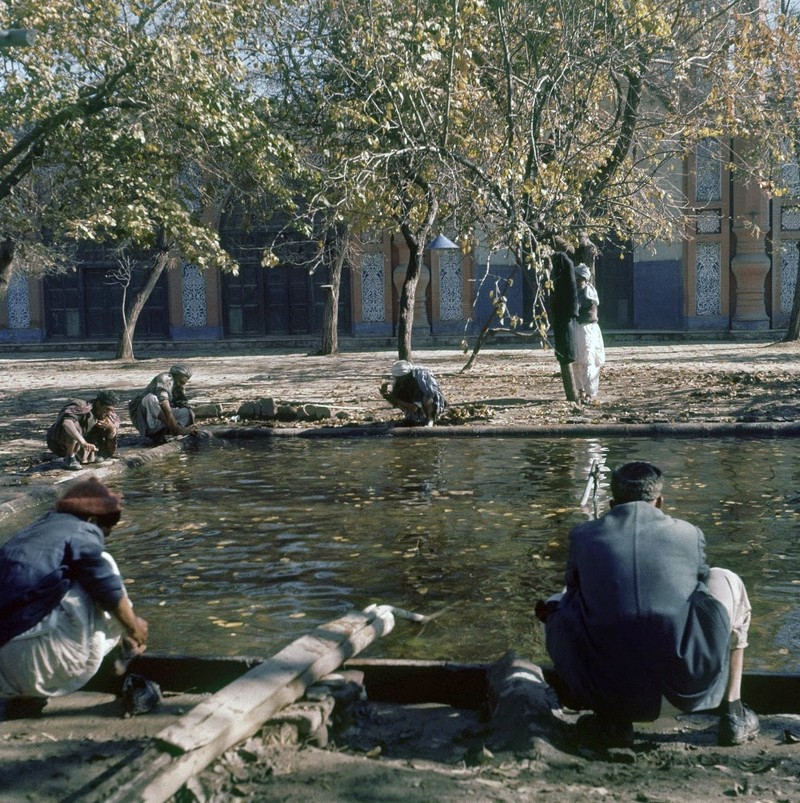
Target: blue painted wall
point(658, 295)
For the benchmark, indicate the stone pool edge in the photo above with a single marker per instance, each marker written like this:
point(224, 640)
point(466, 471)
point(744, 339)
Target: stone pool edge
point(763, 429)
point(46, 489)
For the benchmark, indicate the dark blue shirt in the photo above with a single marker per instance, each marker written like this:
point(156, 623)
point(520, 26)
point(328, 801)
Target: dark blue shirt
point(39, 564)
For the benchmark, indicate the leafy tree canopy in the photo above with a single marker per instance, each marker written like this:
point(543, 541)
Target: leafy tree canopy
point(129, 121)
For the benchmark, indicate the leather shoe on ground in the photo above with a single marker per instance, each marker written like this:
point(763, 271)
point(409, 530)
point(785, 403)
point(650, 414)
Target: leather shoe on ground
point(735, 730)
point(72, 463)
point(598, 731)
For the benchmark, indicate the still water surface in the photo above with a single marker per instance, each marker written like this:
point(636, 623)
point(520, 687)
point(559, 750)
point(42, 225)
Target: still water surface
point(241, 547)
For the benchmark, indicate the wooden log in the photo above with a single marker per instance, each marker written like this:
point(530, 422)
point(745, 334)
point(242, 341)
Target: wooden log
point(238, 711)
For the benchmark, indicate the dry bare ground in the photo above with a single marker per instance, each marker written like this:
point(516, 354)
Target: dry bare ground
point(414, 755)
point(722, 382)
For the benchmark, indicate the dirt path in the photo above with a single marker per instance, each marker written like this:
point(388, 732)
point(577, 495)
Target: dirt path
point(659, 383)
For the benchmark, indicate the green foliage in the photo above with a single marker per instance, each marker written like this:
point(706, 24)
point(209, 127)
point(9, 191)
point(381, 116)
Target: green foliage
point(131, 120)
point(539, 125)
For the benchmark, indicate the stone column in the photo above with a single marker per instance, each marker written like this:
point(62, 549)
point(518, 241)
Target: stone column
point(751, 264)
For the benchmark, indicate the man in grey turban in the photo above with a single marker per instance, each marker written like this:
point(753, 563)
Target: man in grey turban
point(162, 408)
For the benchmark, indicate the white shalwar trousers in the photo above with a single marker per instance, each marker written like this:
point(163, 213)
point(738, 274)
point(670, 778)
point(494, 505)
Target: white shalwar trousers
point(590, 357)
point(61, 653)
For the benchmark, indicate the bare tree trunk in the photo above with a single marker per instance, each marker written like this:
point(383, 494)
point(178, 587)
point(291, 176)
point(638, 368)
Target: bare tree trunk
point(586, 252)
point(329, 342)
point(330, 315)
point(415, 240)
point(6, 269)
point(405, 324)
point(568, 378)
point(125, 341)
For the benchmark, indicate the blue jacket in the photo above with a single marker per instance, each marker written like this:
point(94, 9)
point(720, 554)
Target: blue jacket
point(40, 563)
point(636, 621)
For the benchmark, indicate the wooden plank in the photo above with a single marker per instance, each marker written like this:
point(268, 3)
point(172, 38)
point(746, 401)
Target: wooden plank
point(257, 688)
point(238, 711)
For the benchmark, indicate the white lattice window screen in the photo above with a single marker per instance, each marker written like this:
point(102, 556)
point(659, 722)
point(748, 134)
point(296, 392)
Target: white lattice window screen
point(194, 296)
point(790, 257)
point(791, 178)
point(709, 171)
point(450, 299)
point(708, 272)
point(18, 300)
point(372, 308)
point(709, 222)
point(790, 218)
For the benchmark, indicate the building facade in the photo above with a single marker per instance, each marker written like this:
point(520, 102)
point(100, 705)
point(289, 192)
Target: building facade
point(279, 304)
point(737, 267)
point(735, 270)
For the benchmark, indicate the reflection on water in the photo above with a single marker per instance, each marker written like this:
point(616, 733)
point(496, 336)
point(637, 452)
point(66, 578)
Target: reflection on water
point(239, 548)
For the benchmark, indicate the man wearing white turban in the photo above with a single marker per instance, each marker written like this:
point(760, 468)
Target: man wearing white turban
point(416, 392)
point(590, 355)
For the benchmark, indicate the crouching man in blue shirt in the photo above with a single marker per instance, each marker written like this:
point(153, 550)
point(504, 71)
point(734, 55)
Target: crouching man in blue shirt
point(63, 605)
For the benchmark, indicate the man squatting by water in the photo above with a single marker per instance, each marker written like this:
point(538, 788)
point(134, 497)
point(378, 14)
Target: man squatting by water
point(162, 408)
point(415, 391)
point(85, 432)
point(643, 617)
point(63, 605)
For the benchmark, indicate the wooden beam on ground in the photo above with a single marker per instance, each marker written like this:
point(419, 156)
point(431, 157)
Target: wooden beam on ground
point(237, 711)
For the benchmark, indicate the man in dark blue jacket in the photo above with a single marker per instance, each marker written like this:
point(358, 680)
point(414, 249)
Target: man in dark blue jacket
point(644, 617)
point(63, 605)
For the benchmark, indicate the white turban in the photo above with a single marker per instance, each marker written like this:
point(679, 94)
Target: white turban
point(401, 368)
